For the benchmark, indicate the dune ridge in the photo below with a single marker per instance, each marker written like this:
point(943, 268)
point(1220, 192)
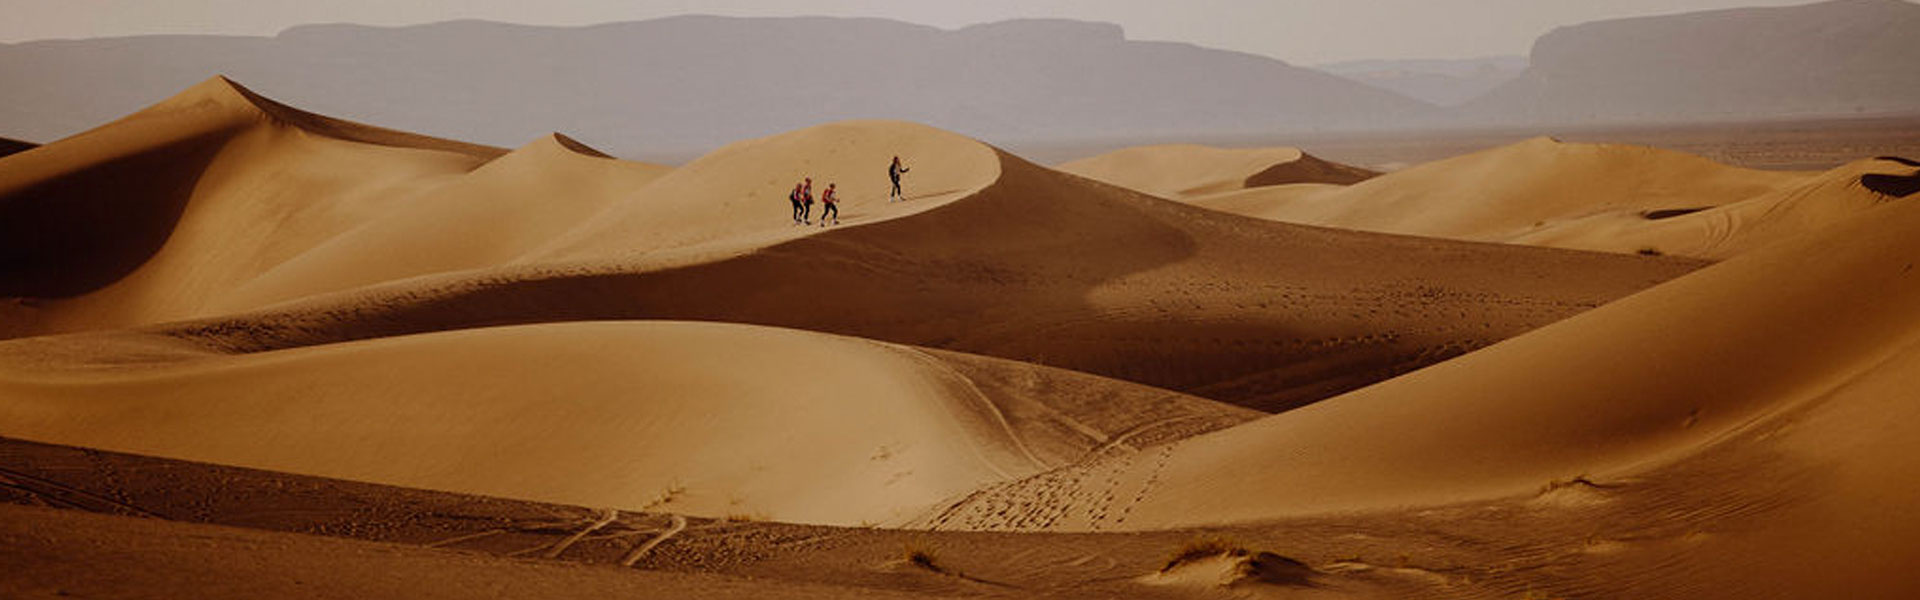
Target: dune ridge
point(1179, 171)
point(348, 130)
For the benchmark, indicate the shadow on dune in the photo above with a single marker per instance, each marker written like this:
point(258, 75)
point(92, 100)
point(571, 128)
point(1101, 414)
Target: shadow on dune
point(1894, 185)
point(1309, 169)
point(70, 235)
point(1668, 213)
point(9, 146)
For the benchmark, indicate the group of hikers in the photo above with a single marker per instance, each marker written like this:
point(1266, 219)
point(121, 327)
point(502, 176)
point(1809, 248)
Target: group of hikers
point(802, 197)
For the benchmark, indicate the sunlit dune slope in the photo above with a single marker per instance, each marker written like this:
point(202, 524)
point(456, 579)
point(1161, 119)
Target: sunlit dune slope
point(697, 418)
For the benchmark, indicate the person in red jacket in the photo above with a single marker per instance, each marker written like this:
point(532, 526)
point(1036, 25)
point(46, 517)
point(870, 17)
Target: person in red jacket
point(829, 205)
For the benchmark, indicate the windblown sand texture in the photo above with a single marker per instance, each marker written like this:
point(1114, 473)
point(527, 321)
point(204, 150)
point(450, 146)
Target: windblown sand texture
point(1091, 361)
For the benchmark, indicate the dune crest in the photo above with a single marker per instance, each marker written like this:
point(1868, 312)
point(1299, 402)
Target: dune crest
point(343, 129)
point(733, 200)
point(577, 146)
point(1181, 171)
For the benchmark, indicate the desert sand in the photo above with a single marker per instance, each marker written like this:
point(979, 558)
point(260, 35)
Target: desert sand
point(1138, 289)
point(234, 321)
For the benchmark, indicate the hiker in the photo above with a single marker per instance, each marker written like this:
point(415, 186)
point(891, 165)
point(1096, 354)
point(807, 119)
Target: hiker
point(794, 196)
point(806, 202)
point(829, 205)
point(893, 172)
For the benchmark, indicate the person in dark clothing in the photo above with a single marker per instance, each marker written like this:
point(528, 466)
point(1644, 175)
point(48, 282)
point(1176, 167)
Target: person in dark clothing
point(829, 205)
point(794, 197)
point(806, 202)
point(893, 172)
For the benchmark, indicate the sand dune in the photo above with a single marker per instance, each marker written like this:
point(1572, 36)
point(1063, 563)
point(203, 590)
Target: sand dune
point(1179, 171)
point(734, 200)
point(156, 216)
point(696, 418)
point(987, 250)
point(1603, 197)
point(1816, 330)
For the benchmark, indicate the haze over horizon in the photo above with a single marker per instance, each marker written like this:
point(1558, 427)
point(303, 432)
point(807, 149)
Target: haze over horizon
point(1304, 32)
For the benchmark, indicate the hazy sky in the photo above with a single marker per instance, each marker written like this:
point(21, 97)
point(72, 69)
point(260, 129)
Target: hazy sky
point(1297, 31)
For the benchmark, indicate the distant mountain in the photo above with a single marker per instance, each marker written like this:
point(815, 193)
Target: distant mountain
point(1445, 82)
point(1832, 58)
point(692, 83)
point(669, 88)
